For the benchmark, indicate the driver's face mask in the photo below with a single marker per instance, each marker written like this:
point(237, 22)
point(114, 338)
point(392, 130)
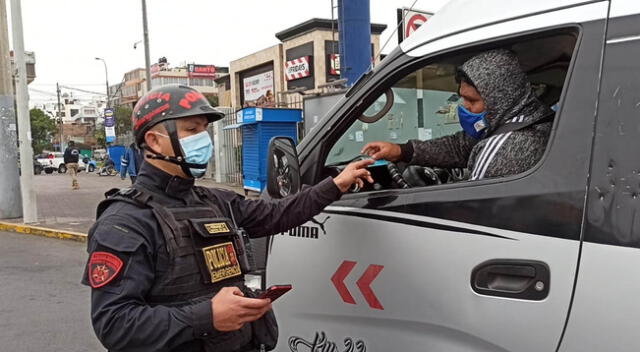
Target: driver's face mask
point(473, 124)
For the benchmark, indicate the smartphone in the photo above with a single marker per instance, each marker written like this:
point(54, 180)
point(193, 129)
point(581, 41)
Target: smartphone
point(275, 291)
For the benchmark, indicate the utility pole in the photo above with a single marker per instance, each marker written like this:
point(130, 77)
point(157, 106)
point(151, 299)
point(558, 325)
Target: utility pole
point(147, 60)
point(29, 210)
point(60, 116)
point(10, 201)
point(106, 78)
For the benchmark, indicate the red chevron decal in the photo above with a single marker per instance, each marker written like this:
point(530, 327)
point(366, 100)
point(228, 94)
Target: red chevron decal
point(338, 281)
point(364, 284)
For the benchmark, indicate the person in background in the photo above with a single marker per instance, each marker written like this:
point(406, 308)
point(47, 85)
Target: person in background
point(131, 161)
point(71, 157)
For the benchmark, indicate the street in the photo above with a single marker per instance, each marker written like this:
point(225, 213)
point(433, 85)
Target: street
point(61, 208)
point(44, 307)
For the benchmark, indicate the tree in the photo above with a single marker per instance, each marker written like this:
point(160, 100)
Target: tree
point(99, 134)
point(213, 99)
point(42, 129)
point(123, 119)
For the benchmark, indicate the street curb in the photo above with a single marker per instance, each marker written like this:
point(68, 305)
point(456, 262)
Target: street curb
point(43, 231)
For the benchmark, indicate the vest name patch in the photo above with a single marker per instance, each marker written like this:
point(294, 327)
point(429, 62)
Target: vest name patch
point(221, 261)
point(217, 227)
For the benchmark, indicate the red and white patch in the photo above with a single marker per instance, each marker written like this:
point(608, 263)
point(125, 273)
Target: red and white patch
point(103, 268)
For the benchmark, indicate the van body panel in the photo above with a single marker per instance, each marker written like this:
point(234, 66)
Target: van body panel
point(579, 14)
point(620, 8)
point(462, 15)
point(423, 287)
point(605, 308)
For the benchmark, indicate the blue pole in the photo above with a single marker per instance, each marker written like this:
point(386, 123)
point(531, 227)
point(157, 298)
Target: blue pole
point(354, 26)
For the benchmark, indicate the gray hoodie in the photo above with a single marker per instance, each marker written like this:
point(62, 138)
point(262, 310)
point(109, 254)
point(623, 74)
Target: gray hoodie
point(508, 97)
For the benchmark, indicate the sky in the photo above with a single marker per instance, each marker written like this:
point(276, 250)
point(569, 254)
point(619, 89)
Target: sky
point(67, 35)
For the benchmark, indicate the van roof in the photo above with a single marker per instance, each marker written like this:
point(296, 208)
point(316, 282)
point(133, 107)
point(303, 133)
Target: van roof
point(461, 15)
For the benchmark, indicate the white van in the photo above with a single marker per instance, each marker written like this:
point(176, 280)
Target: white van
point(546, 260)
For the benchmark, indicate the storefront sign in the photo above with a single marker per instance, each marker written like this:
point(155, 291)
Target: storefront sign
point(334, 64)
point(201, 70)
point(258, 89)
point(297, 68)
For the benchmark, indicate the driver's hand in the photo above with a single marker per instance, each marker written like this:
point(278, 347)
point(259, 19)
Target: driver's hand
point(383, 150)
point(355, 172)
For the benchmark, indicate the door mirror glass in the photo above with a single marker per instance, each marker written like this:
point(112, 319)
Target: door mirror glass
point(283, 170)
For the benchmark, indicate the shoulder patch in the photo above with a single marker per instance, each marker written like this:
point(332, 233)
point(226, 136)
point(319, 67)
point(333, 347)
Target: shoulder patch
point(103, 268)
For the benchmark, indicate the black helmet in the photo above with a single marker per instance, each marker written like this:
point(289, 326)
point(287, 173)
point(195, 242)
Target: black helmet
point(166, 103)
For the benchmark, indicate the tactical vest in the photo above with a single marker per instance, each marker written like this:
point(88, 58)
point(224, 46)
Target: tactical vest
point(205, 252)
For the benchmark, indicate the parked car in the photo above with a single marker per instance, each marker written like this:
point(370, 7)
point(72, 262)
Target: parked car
point(54, 161)
point(88, 164)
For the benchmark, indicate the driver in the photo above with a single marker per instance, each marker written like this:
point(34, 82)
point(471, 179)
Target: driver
point(495, 92)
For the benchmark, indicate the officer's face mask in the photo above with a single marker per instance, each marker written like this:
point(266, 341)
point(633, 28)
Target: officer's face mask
point(473, 124)
point(197, 150)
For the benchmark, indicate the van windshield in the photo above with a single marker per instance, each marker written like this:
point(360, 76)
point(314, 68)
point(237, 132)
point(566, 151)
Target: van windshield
point(420, 106)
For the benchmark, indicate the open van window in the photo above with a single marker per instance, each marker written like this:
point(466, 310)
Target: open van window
point(422, 105)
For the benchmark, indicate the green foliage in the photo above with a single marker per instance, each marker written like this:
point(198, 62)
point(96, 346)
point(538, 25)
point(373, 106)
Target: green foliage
point(213, 99)
point(123, 119)
point(99, 134)
point(42, 129)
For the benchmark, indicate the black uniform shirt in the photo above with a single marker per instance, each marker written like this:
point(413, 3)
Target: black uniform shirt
point(71, 155)
point(122, 318)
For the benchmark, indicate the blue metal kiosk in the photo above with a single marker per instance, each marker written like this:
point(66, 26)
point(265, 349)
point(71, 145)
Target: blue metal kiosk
point(259, 125)
point(116, 152)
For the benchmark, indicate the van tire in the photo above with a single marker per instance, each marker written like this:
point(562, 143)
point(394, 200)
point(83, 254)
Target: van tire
point(62, 169)
point(91, 168)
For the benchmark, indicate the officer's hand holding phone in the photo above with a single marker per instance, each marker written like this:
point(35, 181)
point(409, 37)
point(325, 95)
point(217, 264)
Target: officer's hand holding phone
point(355, 172)
point(231, 309)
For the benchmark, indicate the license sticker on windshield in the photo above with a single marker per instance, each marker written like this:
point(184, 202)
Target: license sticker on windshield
point(221, 261)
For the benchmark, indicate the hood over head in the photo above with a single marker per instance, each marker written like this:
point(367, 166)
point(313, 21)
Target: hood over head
point(504, 87)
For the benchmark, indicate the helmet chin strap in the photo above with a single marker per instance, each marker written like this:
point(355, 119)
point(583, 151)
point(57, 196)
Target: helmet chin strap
point(178, 159)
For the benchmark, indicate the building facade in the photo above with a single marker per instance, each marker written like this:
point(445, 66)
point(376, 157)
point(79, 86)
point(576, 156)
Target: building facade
point(305, 60)
point(134, 86)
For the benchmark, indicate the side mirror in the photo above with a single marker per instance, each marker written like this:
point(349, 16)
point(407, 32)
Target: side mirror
point(283, 169)
point(379, 108)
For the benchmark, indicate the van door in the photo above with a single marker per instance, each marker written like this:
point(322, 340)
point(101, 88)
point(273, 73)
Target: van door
point(604, 313)
point(483, 265)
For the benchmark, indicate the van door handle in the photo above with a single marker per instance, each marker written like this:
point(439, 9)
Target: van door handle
point(522, 279)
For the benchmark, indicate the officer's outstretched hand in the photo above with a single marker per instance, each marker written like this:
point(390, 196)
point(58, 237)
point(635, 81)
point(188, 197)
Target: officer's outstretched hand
point(383, 150)
point(231, 309)
point(354, 173)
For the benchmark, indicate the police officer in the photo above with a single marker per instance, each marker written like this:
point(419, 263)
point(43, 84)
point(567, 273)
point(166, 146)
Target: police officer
point(166, 257)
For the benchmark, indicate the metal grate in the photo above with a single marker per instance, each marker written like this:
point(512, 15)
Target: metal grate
point(230, 149)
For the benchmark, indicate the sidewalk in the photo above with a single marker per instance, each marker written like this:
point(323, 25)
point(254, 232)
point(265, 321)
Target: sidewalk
point(60, 208)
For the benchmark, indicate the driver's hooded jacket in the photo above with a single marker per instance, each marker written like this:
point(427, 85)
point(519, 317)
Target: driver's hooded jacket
point(121, 311)
point(508, 97)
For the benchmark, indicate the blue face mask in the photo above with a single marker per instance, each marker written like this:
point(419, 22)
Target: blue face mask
point(473, 124)
point(197, 150)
